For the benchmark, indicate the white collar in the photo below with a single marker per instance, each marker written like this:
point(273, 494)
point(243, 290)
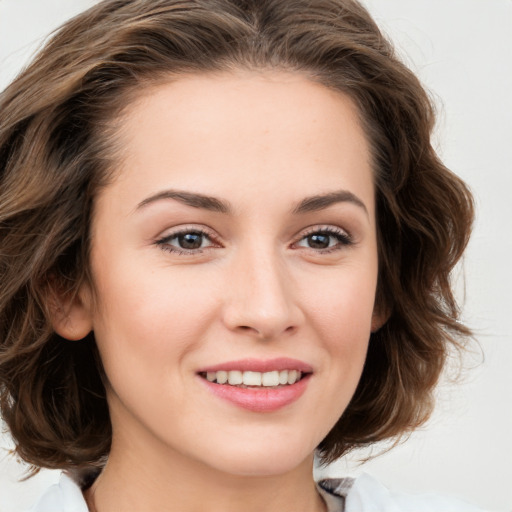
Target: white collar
point(362, 494)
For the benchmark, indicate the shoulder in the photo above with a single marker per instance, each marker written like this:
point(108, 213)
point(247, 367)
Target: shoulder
point(65, 496)
point(362, 494)
point(365, 494)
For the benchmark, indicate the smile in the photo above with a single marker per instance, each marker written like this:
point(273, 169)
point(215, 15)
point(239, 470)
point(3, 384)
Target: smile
point(254, 379)
point(258, 385)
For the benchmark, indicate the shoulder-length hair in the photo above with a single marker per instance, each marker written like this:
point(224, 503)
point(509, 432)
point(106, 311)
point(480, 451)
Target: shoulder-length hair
point(57, 121)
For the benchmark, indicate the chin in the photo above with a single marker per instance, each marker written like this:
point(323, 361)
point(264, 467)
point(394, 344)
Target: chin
point(262, 461)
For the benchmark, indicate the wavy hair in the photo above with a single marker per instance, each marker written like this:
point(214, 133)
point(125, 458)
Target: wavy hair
point(57, 126)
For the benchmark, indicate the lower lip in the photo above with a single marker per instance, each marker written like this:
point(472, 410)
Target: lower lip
point(259, 399)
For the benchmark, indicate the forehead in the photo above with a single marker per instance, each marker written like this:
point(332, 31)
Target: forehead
point(239, 130)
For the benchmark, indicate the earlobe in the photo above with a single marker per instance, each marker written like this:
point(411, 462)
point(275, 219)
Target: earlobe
point(70, 313)
point(379, 318)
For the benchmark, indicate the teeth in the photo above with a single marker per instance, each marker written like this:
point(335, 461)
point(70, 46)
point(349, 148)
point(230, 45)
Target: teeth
point(222, 377)
point(283, 377)
point(266, 379)
point(252, 378)
point(235, 377)
point(270, 379)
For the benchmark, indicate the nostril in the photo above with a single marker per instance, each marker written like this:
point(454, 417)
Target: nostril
point(262, 332)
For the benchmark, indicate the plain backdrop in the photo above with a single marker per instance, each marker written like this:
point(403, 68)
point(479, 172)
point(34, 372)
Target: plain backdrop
point(462, 51)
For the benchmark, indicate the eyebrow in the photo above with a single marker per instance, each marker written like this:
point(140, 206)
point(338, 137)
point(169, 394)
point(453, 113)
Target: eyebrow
point(307, 205)
point(323, 201)
point(190, 199)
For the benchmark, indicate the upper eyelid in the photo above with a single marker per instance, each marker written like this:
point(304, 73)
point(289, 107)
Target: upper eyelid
point(322, 228)
point(178, 230)
point(213, 236)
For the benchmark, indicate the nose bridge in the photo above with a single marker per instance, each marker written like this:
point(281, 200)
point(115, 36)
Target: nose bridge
point(261, 298)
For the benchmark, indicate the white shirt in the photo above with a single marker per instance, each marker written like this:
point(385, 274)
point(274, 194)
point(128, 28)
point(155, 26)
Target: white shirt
point(362, 494)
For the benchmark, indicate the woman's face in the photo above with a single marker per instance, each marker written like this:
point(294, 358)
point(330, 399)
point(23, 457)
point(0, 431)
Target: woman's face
point(237, 242)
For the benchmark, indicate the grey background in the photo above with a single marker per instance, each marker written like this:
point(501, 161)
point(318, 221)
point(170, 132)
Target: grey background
point(462, 51)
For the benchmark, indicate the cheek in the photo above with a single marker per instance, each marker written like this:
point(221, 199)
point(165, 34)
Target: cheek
point(342, 303)
point(341, 318)
point(148, 321)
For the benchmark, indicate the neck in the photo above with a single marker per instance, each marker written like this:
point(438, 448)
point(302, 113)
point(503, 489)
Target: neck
point(139, 478)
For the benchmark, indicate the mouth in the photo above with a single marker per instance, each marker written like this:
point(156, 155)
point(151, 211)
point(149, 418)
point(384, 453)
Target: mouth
point(251, 379)
point(258, 386)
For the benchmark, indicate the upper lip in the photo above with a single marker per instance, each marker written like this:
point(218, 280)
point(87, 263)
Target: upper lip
point(260, 365)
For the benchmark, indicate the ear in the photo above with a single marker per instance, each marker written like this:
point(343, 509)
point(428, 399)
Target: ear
point(71, 312)
point(379, 318)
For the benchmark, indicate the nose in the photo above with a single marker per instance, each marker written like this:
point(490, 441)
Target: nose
point(261, 301)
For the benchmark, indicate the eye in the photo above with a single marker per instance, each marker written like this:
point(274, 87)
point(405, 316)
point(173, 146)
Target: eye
point(325, 240)
point(186, 241)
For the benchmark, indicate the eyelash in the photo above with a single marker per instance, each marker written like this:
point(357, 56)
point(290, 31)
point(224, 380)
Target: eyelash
point(344, 240)
point(163, 242)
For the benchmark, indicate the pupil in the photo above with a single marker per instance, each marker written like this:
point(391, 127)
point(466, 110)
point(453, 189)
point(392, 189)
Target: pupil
point(190, 240)
point(318, 241)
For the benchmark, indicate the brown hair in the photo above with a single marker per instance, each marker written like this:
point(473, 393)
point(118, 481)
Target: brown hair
point(56, 125)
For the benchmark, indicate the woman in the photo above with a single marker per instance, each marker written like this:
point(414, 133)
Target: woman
point(226, 245)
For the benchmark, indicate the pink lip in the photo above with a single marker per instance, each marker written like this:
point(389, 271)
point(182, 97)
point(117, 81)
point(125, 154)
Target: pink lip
point(259, 399)
point(260, 365)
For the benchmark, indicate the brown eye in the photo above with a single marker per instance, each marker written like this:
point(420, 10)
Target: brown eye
point(186, 242)
point(325, 239)
point(318, 241)
point(190, 240)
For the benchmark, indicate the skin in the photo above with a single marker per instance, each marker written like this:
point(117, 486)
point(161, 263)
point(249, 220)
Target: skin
point(257, 287)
